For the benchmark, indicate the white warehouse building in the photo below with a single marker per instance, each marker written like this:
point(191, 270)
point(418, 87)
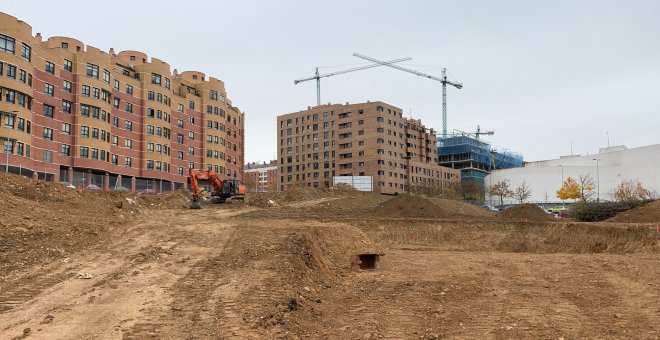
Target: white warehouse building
point(608, 168)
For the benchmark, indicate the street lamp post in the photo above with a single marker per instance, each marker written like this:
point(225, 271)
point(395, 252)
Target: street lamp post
point(7, 155)
point(562, 181)
point(597, 180)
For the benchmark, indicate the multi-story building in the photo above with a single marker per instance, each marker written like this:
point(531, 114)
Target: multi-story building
point(261, 177)
point(74, 113)
point(366, 139)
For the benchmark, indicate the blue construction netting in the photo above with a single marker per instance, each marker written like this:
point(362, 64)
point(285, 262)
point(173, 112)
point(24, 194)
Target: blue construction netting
point(507, 159)
point(477, 150)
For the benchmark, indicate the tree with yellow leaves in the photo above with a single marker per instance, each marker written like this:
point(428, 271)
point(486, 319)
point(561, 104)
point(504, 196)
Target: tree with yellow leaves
point(570, 190)
point(582, 188)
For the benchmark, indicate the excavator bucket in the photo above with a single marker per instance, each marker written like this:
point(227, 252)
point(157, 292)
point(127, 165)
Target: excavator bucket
point(196, 204)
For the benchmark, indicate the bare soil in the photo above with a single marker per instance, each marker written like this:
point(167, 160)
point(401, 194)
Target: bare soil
point(527, 212)
point(648, 213)
point(154, 270)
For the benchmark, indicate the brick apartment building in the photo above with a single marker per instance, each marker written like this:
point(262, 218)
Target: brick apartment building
point(365, 139)
point(261, 177)
point(74, 113)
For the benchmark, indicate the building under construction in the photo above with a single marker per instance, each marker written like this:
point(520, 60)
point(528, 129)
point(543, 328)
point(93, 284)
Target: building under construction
point(476, 159)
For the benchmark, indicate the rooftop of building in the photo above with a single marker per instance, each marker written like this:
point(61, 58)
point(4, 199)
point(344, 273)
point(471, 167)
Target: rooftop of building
point(260, 165)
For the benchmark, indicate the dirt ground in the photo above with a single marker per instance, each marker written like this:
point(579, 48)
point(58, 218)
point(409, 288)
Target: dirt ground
point(127, 267)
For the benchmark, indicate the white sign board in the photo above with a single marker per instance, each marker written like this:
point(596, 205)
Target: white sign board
point(360, 183)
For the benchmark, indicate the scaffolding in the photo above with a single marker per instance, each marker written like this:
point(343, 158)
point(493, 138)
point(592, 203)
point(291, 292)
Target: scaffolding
point(475, 158)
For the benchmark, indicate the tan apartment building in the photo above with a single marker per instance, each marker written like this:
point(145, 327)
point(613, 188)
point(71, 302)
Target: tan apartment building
point(365, 139)
point(71, 112)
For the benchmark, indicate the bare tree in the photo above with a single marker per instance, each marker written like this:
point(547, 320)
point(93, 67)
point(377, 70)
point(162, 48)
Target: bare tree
point(501, 189)
point(522, 192)
point(586, 185)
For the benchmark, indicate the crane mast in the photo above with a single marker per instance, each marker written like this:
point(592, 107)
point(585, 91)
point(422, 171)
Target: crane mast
point(318, 76)
point(442, 80)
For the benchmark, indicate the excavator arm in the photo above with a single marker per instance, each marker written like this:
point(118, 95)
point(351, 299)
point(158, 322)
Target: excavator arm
point(195, 176)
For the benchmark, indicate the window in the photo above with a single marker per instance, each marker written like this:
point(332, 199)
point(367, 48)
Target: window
point(7, 44)
point(191, 135)
point(21, 124)
point(22, 76)
point(84, 110)
point(48, 133)
point(115, 140)
point(179, 107)
point(11, 71)
point(129, 107)
point(65, 45)
point(66, 150)
point(86, 90)
point(191, 151)
point(50, 67)
point(67, 86)
point(150, 129)
point(155, 79)
point(10, 120)
point(66, 106)
point(129, 89)
point(129, 125)
point(84, 131)
point(179, 171)
point(191, 104)
point(167, 83)
point(95, 133)
point(128, 143)
point(48, 156)
point(213, 95)
point(127, 162)
point(66, 128)
point(115, 159)
point(96, 93)
point(179, 138)
point(106, 76)
point(49, 89)
point(95, 153)
point(150, 165)
point(48, 111)
point(93, 71)
point(179, 123)
point(116, 85)
point(115, 102)
point(68, 65)
point(84, 152)
point(151, 95)
point(115, 121)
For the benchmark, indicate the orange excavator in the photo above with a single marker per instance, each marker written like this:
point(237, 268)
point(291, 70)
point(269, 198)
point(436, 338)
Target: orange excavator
point(229, 190)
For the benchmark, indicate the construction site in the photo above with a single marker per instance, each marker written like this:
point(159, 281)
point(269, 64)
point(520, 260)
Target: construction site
point(317, 263)
point(366, 222)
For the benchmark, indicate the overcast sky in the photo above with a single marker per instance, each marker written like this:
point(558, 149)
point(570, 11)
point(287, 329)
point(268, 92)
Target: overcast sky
point(539, 73)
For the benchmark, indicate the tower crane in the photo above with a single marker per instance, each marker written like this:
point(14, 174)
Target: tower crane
point(442, 79)
point(318, 76)
point(475, 134)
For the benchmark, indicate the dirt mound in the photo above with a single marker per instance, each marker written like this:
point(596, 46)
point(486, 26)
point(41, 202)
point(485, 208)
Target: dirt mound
point(44, 221)
point(408, 206)
point(526, 212)
point(461, 209)
point(415, 206)
point(299, 194)
point(174, 200)
point(648, 213)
